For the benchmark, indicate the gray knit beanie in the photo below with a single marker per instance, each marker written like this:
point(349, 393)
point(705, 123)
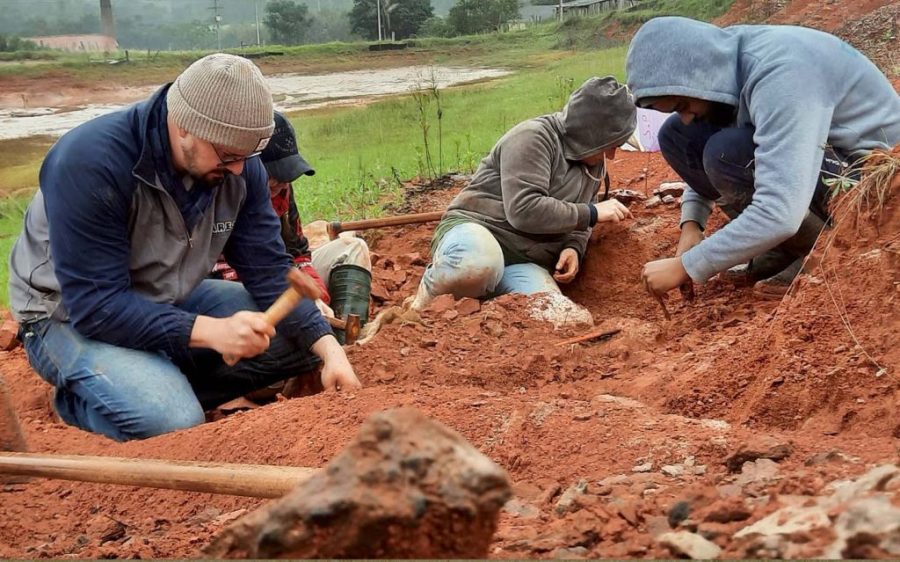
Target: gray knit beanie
point(223, 99)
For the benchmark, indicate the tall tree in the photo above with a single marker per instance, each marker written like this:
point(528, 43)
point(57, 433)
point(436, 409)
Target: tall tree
point(402, 17)
point(287, 21)
point(478, 16)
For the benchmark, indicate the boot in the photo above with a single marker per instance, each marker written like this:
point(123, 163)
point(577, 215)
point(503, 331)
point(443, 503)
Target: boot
point(350, 287)
point(778, 284)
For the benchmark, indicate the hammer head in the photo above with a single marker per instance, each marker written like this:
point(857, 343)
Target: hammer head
point(405, 487)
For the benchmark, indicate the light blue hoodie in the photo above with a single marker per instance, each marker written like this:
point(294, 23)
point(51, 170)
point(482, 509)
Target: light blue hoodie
point(801, 89)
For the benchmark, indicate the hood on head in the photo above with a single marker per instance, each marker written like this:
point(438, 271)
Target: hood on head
point(600, 114)
point(673, 56)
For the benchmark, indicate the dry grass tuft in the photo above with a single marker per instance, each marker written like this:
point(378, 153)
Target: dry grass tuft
point(880, 181)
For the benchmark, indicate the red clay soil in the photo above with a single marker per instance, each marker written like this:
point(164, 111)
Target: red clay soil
point(826, 15)
point(869, 25)
point(680, 397)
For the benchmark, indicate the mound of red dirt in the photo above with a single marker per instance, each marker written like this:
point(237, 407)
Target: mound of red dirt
point(826, 360)
point(610, 444)
point(827, 15)
point(869, 25)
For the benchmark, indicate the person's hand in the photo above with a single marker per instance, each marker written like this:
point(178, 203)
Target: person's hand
point(337, 373)
point(691, 235)
point(324, 309)
point(566, 266)
point(661, 276)
point(244, 334)
point(612, 210)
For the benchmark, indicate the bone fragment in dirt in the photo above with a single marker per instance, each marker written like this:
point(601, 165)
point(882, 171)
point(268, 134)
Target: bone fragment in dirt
point(405, 487)
point(595, 335)
point(388, 316)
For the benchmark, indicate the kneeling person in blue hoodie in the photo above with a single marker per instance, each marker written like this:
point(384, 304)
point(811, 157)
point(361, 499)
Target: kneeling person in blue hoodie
point(108, 278)
point(765, 116)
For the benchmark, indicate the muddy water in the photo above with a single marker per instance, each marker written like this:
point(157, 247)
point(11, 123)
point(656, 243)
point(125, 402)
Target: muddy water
point(291, 92)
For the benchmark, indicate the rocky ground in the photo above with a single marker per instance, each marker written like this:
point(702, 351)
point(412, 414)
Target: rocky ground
point(742, 427)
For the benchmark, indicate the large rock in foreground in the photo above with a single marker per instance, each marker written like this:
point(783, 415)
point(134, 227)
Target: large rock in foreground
point(405, 487)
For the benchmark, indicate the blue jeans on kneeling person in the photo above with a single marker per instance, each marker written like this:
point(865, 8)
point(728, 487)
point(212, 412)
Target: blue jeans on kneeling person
point(132, 394)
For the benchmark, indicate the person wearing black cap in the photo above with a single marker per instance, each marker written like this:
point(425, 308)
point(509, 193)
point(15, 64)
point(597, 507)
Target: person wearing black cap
point(284, 165)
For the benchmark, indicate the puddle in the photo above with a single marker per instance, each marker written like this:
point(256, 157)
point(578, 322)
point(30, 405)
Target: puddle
point(292, 92)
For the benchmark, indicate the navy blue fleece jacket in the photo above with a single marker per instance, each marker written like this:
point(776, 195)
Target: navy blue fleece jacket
point(104, 238)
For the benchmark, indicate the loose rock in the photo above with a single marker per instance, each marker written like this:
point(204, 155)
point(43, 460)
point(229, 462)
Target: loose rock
point(567, 500)
point(689, 544)
point(762, 448)
point(673, 470)
point(406, 487)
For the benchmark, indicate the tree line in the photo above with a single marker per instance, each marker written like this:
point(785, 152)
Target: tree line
point(163, 25)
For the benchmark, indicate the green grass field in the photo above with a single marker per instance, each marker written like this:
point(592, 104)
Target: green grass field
point(358, 152)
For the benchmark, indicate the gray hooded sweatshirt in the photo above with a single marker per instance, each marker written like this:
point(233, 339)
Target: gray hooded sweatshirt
point(799, 88)
point(531, 191)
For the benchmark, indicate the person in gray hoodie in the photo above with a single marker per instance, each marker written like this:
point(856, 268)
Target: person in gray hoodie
point(532, 202)
point(765, 116)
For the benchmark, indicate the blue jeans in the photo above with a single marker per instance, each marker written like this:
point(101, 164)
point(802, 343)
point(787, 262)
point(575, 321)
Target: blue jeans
point(468, 262)
point(718, 163)
point(131, 394)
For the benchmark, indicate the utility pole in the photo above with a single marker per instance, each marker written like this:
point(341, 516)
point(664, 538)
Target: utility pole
point(256, 13)
point(378, 10)
point(560, 11)
point(217, 18)
point(106, 18)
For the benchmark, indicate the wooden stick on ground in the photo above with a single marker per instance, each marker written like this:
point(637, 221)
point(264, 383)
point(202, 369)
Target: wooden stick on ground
point(257, 481)
point(595, 335)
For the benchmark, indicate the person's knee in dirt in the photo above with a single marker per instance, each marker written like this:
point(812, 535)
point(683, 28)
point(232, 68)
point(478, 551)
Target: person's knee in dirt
point(767, 120)
point(109, 277)
point(533, 200)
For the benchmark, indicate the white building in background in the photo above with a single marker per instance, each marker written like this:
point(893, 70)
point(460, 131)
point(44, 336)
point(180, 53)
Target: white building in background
point(593, 7)
point(94, 43)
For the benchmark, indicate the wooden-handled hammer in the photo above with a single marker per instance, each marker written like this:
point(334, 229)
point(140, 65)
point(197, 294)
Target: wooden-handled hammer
point(300, 286)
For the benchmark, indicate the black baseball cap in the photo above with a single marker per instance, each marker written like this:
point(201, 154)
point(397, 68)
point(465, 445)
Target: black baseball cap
point(281, 157)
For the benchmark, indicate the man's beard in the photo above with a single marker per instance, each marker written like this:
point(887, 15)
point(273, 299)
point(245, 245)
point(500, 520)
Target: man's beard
point(720, 114)
point(211, 178)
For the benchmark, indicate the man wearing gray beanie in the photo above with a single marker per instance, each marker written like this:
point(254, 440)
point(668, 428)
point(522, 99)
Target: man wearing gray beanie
point(108, 278)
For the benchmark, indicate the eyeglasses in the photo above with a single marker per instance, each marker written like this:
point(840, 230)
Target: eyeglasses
point(233, 160)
